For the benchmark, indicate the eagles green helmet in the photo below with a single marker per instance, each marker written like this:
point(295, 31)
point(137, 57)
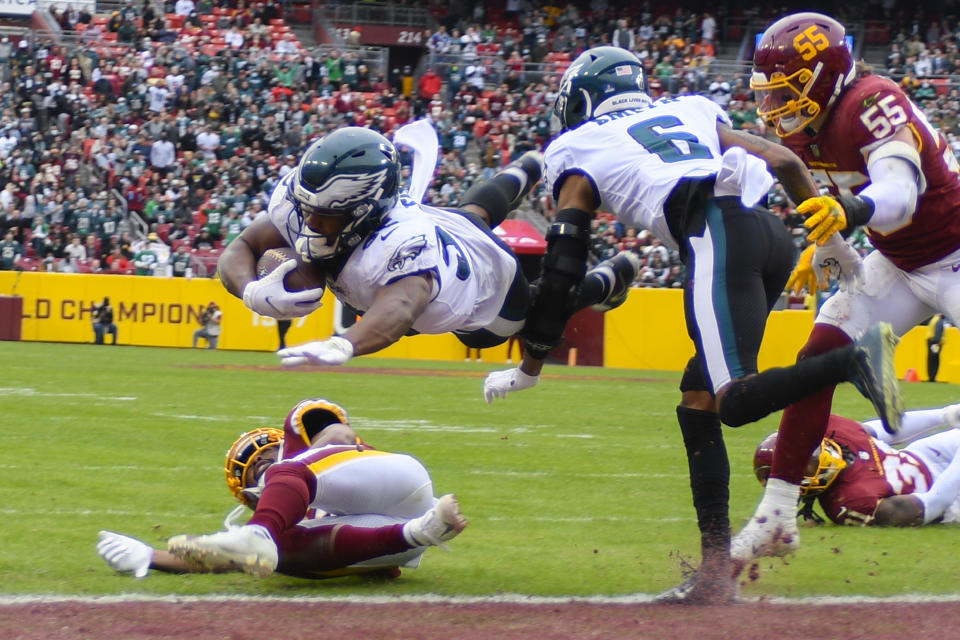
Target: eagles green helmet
point(353, 173)
point(598, 81)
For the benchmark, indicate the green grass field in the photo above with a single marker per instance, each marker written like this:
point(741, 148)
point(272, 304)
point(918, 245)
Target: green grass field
point(577, 487)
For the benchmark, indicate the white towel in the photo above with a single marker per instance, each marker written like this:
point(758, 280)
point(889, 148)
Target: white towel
point(421, 138)
point(744, 175)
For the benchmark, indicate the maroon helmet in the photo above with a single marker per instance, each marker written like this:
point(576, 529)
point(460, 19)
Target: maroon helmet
point(825, 464)
point(800, 67)
point(763, 457)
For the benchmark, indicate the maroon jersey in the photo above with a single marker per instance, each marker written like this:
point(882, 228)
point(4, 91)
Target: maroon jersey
point(870, 111)
point(876, 471)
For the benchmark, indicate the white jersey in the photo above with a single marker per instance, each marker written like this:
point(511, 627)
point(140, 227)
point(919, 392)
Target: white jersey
point(471, 272)
point(635, 157)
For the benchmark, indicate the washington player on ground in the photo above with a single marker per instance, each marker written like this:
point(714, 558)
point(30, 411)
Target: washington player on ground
point(887, 169)
point(683, 173)
point(860, 479)
point(408, 267)
point(325, 504)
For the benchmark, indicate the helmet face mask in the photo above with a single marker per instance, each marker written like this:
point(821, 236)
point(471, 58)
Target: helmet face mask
point(598, 81)
point(783, 101)
point(825, 465)
point(829, 463)
point(800, 67)
point(247, 461)
point(342, 187)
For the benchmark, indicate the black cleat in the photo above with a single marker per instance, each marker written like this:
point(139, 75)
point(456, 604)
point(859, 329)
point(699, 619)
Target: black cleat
point(872, 372)
point(709, 586)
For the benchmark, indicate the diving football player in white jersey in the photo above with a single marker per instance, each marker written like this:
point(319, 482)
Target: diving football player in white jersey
point(408, 267)
point(680, 171)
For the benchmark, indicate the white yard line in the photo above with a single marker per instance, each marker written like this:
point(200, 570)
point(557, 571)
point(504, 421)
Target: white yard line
point(509, 598)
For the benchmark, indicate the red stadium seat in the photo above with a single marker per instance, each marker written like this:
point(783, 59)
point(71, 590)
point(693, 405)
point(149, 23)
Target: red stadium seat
point(27, 264)
point(277, 22)
point(163, 231)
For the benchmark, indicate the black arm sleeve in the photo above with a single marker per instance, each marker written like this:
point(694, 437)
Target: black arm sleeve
point(859, 210)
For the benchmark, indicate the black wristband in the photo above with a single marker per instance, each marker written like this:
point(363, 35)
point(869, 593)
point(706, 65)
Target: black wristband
point(858, 210)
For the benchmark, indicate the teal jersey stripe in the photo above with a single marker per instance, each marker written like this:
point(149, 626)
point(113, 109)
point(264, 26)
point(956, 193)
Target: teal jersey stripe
point(721, 301)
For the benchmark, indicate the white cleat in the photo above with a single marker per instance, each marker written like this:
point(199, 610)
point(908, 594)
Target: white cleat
point(441, 523)
point(249, 548)
point(765, 535)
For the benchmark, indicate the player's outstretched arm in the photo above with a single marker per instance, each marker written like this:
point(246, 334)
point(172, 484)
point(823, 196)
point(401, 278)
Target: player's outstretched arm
point(126, 554)
point(392, 314)
point(782, 162)
point(498, 384)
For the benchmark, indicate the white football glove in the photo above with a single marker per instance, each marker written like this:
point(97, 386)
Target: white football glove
point(499, 383)
point(269, 297)
point(838, 257)
point(951, 415)
point(125, 554)
point(332, 351)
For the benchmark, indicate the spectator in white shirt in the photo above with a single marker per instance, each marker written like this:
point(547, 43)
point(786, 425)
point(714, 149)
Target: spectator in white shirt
point(210, 74)
point(184, 7)
point(924, 66)
point(708, 27)
point(207, 142)
point(286, 44)
point(7, 142)
point(75, 251)
point(720, 91)
point(158, 95)
point(175, 79)
point(162, 155)
point(234, 37)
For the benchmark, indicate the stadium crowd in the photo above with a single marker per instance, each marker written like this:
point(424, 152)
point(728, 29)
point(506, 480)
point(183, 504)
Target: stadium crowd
point(185, 116)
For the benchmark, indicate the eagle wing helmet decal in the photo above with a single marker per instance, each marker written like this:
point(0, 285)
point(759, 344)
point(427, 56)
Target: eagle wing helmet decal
point(342, 189)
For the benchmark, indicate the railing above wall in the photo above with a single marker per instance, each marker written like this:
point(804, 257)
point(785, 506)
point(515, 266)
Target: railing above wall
point(361, 13)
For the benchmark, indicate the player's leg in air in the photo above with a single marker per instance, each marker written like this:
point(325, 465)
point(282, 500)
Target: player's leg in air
point(605, 286)
point(772, 531)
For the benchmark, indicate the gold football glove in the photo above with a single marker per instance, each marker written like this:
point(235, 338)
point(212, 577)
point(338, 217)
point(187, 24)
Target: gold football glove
point(826, 218)
point(804, 276)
